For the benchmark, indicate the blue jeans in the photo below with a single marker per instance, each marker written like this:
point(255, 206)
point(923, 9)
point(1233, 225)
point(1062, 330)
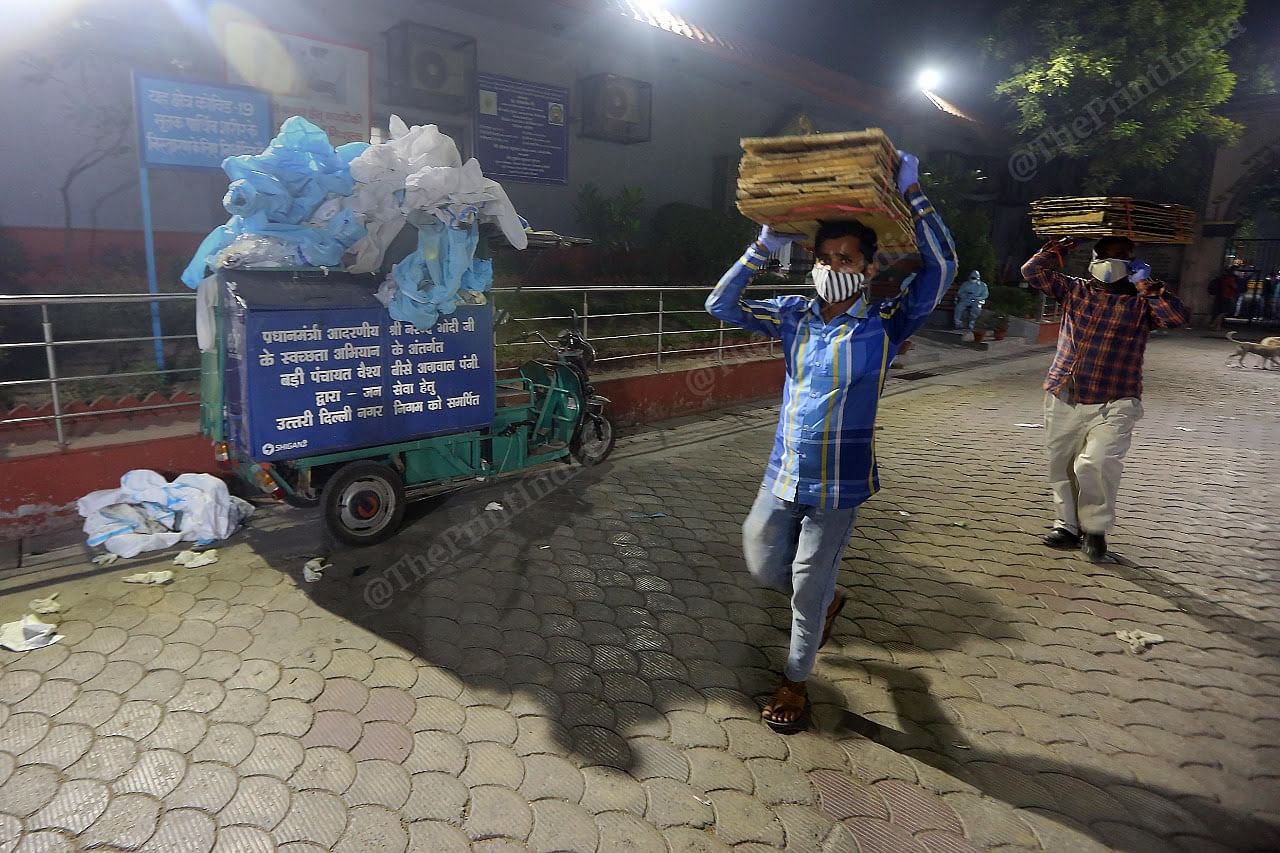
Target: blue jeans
point(796, 549)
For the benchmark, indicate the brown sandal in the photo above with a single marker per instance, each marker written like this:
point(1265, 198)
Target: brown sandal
point(832, 613)
point(788, 696)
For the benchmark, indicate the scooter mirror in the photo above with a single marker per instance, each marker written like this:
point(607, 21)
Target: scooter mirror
point(574, 313)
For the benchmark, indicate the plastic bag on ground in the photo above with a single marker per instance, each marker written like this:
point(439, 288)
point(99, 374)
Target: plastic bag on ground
point(28, 633)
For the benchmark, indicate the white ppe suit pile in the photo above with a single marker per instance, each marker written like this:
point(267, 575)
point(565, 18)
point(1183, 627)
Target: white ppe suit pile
point(419, 169)
point(148, 513)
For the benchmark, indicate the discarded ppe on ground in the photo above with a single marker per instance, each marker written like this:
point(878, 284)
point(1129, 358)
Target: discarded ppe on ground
point(314, 568)
point(196, 559)
point(1138, 641)
point(147, 513)
point(286, 204)
point(105, 559)
point(494, 506)
point(45, 605)
point(153, 578)
point(28, 633)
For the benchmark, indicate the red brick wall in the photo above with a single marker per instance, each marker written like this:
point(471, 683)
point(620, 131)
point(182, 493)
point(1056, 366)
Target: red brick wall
point(46, 247)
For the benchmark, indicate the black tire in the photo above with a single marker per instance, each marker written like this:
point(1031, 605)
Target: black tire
point(363, 503)
point(594, 441)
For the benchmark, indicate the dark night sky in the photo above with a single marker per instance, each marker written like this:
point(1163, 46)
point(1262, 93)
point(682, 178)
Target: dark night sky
point(887, 43)
point(882, 43)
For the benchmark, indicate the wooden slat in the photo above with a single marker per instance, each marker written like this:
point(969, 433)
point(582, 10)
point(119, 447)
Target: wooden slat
point(815, 141)
point(793, 182)
point(1101, 216)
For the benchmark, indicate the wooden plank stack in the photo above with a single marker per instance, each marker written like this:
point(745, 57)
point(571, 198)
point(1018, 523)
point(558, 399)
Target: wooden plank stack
point(1112, 216)
point(792, 182)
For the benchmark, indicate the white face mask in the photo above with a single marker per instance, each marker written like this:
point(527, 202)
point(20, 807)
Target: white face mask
point(835, 286)
point(1109, 269)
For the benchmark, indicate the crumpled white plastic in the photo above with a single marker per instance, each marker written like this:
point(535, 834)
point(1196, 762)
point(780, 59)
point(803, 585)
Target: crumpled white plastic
point(1138, 640)
point(151, 578)
point(462, 195)
point(423, 166)
point(206, 319)
point(314, 569)
point(196, 559)
point(148, 513)
point(45, 605)
point(28, 633)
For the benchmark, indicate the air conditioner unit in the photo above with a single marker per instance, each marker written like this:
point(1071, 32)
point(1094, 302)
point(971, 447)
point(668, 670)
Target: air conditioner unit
point(438, 70)
point(616, 109)
point(622, 101)
point(430, 68)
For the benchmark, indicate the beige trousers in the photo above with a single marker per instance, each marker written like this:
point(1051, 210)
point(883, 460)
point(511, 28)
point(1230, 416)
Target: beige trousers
point(1086, 444)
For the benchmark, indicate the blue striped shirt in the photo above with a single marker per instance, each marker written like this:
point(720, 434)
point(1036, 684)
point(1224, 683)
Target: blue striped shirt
point(824, 452)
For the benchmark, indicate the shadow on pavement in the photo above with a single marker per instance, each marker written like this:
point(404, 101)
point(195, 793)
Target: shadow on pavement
point(572, 605)
point(591, 620)
point(1104, 806)
point(1210, 614)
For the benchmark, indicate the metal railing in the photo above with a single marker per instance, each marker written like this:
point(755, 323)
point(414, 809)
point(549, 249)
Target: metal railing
point(1050, 310)
point(666, 327)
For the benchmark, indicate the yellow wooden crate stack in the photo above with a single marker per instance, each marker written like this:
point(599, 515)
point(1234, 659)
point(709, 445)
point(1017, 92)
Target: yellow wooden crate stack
point(1112, 216)
point(792, 182)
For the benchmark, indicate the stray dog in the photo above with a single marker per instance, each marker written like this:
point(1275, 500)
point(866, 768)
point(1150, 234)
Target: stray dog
point(1268, 351)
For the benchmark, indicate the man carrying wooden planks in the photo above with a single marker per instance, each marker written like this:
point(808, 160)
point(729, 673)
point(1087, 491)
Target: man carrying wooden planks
point(1094, 388)
point(837, 348)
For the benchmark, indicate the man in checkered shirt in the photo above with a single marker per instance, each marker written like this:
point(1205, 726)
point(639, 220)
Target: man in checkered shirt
point(1094, 388)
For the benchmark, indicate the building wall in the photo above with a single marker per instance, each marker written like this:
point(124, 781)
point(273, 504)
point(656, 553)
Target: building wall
point(695, 118)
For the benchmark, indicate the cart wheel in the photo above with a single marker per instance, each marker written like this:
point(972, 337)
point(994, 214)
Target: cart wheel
point(363, 503)
point(594, 441)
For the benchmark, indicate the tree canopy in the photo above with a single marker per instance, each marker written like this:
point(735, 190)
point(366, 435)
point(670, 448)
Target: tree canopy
point(1123, 86)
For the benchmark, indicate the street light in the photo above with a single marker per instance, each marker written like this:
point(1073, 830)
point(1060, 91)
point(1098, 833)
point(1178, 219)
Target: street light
point(653, 8)
point(929, 78)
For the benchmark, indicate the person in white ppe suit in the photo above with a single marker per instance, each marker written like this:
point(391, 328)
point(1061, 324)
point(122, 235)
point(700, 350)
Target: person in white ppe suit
point(969, 301)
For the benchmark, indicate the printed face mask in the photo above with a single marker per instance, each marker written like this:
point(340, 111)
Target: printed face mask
point(834, 286)
point(1108, 270)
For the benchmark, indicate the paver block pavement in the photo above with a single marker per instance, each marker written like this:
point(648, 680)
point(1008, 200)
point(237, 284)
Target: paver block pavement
point(602, 692)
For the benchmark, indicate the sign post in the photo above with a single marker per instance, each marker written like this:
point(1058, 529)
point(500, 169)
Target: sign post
point(157, 332)
point(187, 124)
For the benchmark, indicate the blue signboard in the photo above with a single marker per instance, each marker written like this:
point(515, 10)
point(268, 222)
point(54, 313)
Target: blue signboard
point(316, 368)
point(198, 125)
point(521, 130)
